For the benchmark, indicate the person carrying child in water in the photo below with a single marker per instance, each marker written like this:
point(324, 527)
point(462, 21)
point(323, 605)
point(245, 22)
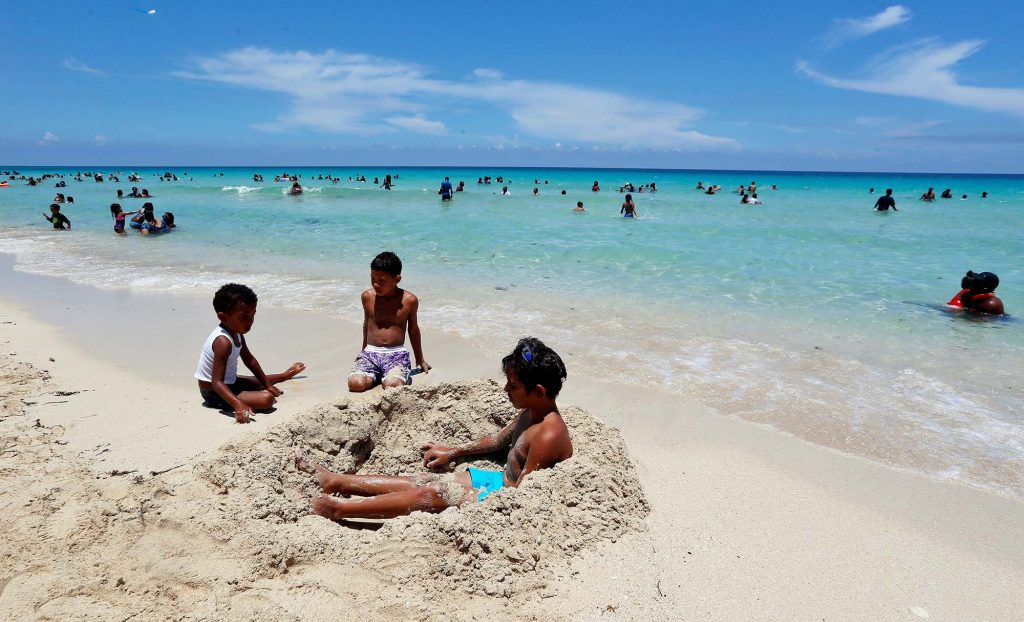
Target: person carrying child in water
point(977, 293)
point(388, 311)
point(217, 371)
point(535, 439)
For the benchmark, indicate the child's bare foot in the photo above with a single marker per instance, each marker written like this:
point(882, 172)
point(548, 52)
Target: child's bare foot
point(293, 371)
point(308, 466)
point(321, 506)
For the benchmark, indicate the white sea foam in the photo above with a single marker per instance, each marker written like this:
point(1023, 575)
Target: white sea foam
point(242, 189)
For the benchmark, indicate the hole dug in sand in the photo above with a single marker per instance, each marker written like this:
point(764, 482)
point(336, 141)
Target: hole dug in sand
point(508, 543)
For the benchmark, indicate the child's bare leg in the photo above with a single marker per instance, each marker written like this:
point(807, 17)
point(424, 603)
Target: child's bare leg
point(257, 400)
point(357, 383)
point(287, 374)
point(427, 498)
point(362, 485)
point(391, 383)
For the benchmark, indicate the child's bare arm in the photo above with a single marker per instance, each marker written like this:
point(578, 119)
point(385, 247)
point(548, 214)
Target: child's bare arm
point(436, 456)
point(414, 335)
point(221, 352)
point(365, 298)
point(254, 366)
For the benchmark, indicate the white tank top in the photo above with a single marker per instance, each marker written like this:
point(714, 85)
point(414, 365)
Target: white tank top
point(204, 370)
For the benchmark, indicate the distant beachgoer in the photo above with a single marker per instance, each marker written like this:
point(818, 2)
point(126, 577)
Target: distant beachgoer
point(984, 195)
point(388, 313)
point(929, 195)
point(120, 194)
point(977, 293)
point(653, 187)
point(217, 371)
point(504, 191)
point(461, 187)
point(774, 187)
point(579, 207)
point(700, 185)
point(446, 190)
point(744, 198)
point(536, 191)
point(563, 192)
point(628, 209)
point(58, 220)
point(295, 189)
point(753, 200)
point(387, 182)
point(71, 199)
point(145, 194)
point(596, 187)
point(947, 194)
point(871, 191)
point(536, 439)
point(479, 180)
point(962, 198)
point(885, 202)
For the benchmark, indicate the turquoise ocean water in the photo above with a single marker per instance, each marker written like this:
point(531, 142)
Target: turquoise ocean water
point(811, 313)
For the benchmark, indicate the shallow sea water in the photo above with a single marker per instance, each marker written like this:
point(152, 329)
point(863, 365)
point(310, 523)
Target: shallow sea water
point(811, 313)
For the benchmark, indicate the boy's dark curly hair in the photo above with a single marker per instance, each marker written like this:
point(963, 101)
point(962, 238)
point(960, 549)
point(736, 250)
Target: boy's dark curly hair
point(536, 364)
point(387, 262)
point(231, 295)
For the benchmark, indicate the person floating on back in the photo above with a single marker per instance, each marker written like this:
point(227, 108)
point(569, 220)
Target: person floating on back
point(885, 202)
point(536, 439)
point(217, 371)
point(388, 312)
point(977, 293)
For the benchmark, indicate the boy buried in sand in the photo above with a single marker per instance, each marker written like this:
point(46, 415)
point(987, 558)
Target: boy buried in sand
point(217, 371)
point(536, 439)
point(387, 310)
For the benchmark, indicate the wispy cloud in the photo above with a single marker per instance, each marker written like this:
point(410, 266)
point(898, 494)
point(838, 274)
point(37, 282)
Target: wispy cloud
point(846, 29)
point(100, 139)
point(76, 65)
point(925, 69)
point(363, 94)
point(48, 138)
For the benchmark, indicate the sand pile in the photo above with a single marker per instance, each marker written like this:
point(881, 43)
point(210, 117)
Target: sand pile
point(505, 544)
point(234, 538)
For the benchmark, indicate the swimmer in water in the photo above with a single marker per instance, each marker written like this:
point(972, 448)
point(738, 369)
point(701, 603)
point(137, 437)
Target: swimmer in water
point(537, 438)
point(885, 202)
point(628, 209)
point(977, 293)
point(579, 207)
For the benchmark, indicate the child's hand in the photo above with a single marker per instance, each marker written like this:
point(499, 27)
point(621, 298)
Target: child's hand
point(243, 414)
point(424, 366)
point(274, 390)
point(436, 456)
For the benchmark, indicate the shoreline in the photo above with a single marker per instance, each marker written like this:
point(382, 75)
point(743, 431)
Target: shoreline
point(746, 521)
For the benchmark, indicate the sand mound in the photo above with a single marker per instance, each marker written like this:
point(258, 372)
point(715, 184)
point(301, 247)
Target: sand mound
point(234, 539)
point(499, 546)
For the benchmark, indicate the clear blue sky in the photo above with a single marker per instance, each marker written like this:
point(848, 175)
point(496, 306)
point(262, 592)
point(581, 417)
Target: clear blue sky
point(931, 86)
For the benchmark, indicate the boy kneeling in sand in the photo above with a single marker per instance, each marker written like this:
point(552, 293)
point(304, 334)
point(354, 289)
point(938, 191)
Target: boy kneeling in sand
point(536, 439)
point(217, 371)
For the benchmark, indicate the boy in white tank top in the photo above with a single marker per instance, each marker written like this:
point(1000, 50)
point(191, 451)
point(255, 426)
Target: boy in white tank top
point(217, 370)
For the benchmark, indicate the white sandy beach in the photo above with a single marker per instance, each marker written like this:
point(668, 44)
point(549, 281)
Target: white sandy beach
point(108, 511)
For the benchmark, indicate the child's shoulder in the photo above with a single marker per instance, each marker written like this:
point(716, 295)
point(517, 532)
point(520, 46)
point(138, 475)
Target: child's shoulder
point(408, 296)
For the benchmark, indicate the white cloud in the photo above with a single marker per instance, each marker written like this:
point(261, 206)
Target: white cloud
point(925, 70)
point(76, 65)
point(418, 124)
point(48, 138)
point(100, 139)
point(362, 94)
point(855, 28)
point(488, 74)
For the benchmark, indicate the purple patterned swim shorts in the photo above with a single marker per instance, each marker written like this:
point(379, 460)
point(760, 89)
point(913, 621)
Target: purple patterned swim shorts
point(383, 363)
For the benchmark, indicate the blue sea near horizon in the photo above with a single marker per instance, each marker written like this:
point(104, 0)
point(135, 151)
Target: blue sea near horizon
point(811, 313)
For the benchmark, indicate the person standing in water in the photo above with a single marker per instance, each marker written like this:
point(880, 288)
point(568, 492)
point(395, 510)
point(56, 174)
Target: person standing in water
point(628, 208)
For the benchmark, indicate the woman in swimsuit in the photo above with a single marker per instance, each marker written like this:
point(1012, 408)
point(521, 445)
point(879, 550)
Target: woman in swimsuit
point(628, 208)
